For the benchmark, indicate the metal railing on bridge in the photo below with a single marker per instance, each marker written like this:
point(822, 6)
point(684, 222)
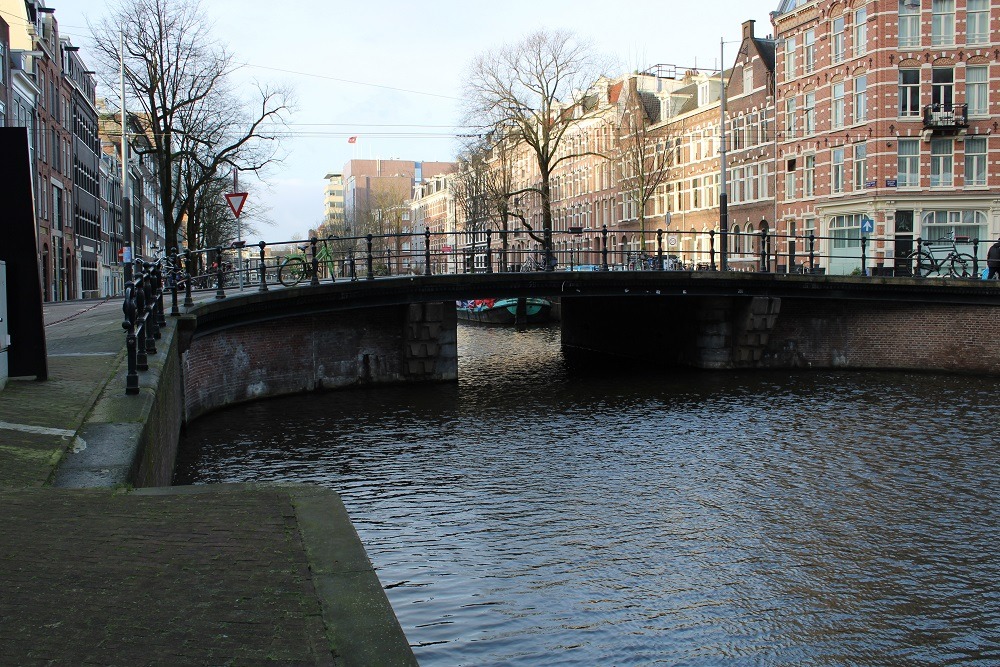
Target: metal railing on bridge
point(267, 265)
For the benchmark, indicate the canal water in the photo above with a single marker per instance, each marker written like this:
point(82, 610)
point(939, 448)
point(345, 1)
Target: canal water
point(553, 511)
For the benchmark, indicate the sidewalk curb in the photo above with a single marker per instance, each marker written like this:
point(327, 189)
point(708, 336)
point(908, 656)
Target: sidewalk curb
point(361, 626)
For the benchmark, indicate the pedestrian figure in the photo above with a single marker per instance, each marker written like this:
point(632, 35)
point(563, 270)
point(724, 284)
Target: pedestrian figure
point(993, 261)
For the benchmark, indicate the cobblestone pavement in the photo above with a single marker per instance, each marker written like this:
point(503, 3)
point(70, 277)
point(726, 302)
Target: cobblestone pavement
point(213, 575)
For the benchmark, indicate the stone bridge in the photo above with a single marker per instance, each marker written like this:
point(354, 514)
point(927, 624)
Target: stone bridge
point(254, 344)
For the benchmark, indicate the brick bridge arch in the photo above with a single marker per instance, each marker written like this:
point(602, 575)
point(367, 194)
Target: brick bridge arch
point(254, 345)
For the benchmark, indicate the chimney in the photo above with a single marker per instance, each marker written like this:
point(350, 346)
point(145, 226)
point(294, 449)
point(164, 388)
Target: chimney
point(748, 30)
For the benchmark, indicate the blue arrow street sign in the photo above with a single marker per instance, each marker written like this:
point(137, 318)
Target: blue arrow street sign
point(867, 225)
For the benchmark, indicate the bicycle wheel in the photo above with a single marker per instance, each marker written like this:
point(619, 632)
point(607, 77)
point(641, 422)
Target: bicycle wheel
point(924, 261)
point(292, 271)
point(961, 266)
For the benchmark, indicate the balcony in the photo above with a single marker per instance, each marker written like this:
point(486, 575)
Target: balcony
point(946, 118)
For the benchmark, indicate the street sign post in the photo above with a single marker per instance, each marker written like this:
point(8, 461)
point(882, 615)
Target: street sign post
point(236, 201)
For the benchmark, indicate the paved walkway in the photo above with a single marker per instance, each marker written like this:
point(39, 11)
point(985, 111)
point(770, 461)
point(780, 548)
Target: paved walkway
point(209, 575)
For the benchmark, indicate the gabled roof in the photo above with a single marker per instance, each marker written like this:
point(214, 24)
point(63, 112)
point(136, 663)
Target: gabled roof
point(788, 5)
point(766, 48)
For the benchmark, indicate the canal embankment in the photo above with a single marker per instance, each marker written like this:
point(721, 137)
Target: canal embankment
point(108, 564)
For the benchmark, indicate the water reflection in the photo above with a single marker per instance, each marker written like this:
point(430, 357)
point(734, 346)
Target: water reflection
point(543, 512)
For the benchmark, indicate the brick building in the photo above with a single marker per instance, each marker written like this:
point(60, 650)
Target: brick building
point(886, 124)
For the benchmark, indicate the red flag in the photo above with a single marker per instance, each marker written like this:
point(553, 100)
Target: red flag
point(352, 140)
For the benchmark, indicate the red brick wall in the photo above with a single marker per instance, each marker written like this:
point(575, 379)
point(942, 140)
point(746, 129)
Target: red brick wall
point(944, 337)
point(324, 351)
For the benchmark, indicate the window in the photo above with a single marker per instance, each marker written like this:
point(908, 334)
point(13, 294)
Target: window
point(909, 92)
point(846, 230)
point(939, 224)
point(809, 50)
point(809, 176)
point(837, 47)
point(942, 22)
point(837, 170)
point(810, 113)
point(790, 119)
point(909, 24)
point(837, 106)
point(790, 48)
point(861, 31)
point(57, 208)
point(747, 78)
point(975, 90)
point(977, 22)
point(942, 88)
point(703, 92)
point(861, 99)
point(975, 161)
point(908, 163)
point(763, 192)
point(941, 162)
point(790, 179)
point(860, 166)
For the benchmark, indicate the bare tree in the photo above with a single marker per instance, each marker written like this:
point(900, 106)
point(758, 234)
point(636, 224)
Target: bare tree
point(485, 192)
point(643, 151)
point(538, 88)
point(196, 124)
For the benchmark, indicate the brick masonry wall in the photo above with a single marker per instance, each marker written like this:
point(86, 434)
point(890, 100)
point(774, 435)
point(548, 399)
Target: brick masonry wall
point(324, 351)
point(927, 337)
point(725, 333)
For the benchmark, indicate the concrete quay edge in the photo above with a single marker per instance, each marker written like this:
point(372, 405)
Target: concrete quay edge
point(101, 460)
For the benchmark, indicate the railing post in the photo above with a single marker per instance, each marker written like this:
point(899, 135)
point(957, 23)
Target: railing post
point(864, 255)
point(975, 259)
point(152, 330)
point(315, 262)
point(504, 267)
point(161, 321)
point(220, 292)
point(917, 257)
point(427, 252)
point(263, 268)
point(659, 249)
point(351, 261)
point(370, 259)
point(388, 261)
point(711, 248)
point(812, 252)
point(141, 338)
point(489, 250)
point(763, 251)
point(604, 247)
point(188, 301)
point(129, 309)
point(174, 278)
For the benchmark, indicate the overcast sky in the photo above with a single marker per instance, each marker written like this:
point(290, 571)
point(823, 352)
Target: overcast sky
point(391, 72)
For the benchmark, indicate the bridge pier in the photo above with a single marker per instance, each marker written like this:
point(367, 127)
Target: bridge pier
point(697, 332)
point(275, 357)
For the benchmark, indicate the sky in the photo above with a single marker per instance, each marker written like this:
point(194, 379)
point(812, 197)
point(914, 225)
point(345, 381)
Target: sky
point(391, 73)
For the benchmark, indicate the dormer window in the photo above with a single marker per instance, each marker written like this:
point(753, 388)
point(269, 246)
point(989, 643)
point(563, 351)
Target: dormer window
point(703, 93)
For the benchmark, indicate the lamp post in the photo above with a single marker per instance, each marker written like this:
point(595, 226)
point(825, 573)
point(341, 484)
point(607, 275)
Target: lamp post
point(723, 196)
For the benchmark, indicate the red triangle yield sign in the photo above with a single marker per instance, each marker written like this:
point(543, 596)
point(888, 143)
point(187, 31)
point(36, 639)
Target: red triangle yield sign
point(236, 201)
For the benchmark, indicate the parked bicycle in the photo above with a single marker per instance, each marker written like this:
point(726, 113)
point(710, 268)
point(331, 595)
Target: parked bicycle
point(295, 268)
point(533, 263)
point(636, 261)
point(958, 264)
